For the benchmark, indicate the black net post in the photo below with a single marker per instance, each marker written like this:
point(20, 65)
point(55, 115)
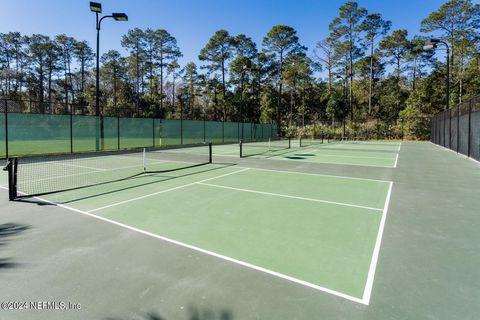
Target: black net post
point(241, 148)
point(11, 169)
point(210, 153)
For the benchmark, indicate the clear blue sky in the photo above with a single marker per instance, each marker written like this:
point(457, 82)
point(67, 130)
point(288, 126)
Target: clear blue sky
point(193, 22)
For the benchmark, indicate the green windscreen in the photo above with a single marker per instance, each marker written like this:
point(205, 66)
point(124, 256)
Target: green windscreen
point(110, 133)
point(214, 131)
point(193, 131)
point(30, 133)
point(136, 132)
point(170, 132)
point(2, 135)
point(84, 133)
point(231, 132)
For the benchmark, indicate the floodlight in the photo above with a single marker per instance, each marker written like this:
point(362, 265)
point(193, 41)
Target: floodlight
point(120, 16)
point(96, 7)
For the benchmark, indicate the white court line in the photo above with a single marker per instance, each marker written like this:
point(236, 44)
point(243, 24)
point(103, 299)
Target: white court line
point(396, 160)
point(64, 164)
point(80, 166)
point(341, 163)
point(290, 197)
point(163, 191)
point(342, 156)
point(211, 253)
point(317, 174)
point(373, 263)
point(399, 146)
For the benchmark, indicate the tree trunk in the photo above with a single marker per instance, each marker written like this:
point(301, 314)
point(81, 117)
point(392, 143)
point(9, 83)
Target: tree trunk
point(370, 87)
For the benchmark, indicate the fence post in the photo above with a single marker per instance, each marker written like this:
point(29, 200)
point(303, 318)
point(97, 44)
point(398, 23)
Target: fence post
point(71, 128)
point(6, 128)
point(449, 128)
point(469, 126)
point(458, 127)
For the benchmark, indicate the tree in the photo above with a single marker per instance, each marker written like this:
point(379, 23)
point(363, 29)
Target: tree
point(167, 52)
point(279, 44)
point(84, 55)
point(114, 68)
point(218, 51)
point(134, 41)
point(347, 27)
point(174, 68)
point(396, 47)
point(327, 57)
point(374, 27)
point(456, 19)
point(38, 56)
point(66, 44)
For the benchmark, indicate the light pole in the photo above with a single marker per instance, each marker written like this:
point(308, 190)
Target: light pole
point(97, 8)
point(432, 44)
point(242, 73)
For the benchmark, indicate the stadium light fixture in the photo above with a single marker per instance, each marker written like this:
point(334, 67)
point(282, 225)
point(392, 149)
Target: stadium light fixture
point(96, 7)
point(120, 16)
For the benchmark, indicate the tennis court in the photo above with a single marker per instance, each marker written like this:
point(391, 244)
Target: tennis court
point(360, 153)
point(200, 226)
point(276, 210)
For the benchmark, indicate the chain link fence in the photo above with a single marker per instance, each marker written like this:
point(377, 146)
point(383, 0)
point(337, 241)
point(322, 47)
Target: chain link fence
point(31, 128)
point(459, 128)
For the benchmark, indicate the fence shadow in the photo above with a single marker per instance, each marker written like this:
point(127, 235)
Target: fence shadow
point(7, 232)
point(193, 313)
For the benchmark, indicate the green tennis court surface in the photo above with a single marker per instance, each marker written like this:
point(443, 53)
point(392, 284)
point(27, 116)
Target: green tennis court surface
point(334, 230)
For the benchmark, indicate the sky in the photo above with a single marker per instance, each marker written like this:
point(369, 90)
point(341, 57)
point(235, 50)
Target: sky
point(193, 22)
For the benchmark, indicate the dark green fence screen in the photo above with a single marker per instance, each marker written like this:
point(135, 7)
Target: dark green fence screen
point(26, 133)
point(459, 128)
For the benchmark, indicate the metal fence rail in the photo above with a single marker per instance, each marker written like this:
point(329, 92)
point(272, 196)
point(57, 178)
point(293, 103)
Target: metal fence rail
point(459, 128)
point(26, 129)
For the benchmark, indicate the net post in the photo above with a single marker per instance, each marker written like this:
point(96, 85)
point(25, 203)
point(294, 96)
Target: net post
point(241, 149)
point(144, 155)
point(301, 142)
point(289, 142)
point(210, 152)
point(12, 179)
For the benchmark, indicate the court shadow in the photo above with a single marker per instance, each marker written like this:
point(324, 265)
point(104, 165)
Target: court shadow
point(294, 157)
point(193, 313)
point(305, 154)
point(7, 232)
point(38, 202)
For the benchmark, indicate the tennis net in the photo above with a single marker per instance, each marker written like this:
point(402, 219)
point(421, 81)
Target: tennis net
point(40, 175)
point(311, 141)
point(270, 147)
